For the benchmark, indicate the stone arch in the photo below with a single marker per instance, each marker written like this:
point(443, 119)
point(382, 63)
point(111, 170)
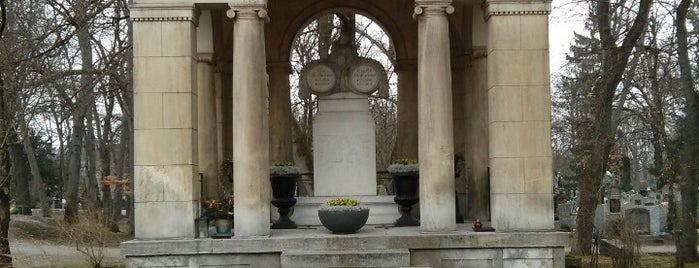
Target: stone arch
point(367, 9)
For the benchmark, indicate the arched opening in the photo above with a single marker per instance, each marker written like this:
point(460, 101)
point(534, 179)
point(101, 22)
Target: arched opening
point(314, 42)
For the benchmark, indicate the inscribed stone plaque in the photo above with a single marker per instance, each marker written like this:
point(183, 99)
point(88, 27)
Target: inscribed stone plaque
point(321, 78)
point(364, 78)
point(639, 218)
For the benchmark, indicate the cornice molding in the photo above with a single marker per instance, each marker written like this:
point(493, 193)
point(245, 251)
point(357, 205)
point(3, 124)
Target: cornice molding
point(163, 12)
point(515, 8)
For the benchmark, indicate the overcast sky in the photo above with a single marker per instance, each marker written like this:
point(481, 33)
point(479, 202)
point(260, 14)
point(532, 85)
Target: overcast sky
point(566, 17)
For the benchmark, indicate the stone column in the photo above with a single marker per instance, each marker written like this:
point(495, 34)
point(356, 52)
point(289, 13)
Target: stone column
point(519, 115)
point(206, 131)
point(435, 133)
point(251, 136)
point(478, 182)
point(477, 105)
point(406, 141)
point(166, 183)
point(280, 112)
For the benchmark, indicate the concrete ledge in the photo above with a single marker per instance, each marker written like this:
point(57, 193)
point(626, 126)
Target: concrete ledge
point(463, 247)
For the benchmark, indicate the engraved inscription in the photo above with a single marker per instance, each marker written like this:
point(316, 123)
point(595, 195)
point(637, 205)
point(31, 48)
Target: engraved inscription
point(364, 78)
point(321, 79)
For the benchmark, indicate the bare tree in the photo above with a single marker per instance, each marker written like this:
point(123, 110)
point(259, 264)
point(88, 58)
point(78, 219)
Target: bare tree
point(597, 132)
point(686, 244)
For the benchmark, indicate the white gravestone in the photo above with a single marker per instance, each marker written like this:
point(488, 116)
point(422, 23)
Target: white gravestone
point(344, 138)
point(344, 159)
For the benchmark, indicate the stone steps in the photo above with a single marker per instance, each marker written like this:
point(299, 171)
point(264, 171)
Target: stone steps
point(345, 258)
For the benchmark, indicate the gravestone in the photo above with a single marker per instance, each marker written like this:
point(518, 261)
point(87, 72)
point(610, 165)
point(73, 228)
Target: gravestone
point(564, 215)
point(344, 142)
point(639, 219)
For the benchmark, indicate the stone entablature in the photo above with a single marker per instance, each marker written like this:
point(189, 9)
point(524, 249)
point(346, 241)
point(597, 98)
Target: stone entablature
point(164, 12)
point(515, 8)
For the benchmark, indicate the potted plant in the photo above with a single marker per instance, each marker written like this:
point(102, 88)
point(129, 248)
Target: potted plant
point(221, 211)
point(343, 215)
point(283, 176)
point(405, 174)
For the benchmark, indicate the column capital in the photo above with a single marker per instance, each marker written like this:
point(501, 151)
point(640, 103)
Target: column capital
point(478, 52)
point(248, 9)
point(515, 8)
point(205, 58)
point(279, 67)
point(164, 12)
point(432, 7)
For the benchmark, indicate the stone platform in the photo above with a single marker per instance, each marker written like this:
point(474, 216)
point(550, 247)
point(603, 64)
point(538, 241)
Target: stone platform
point(372, 246)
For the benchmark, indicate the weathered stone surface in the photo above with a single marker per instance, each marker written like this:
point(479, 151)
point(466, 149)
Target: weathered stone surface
point(429, 250)
point(353, 258)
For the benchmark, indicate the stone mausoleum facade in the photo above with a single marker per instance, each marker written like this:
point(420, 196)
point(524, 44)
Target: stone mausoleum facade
point(211, 82)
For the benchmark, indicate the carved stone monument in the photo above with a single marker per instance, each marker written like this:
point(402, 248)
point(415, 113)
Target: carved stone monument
point(344, 142)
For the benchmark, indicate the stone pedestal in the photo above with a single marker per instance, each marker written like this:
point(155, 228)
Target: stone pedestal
point(344, 146)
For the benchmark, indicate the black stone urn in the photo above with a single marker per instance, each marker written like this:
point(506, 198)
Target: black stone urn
point(283, 194)
point(405, 186)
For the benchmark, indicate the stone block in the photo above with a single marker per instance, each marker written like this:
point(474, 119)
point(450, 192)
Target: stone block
point(505, 103)
point(148, 110)
point(344, 149)
point(148, 43)
point(165, 147)
point(162, 220)
point(536, 103)
point(527, 263)
point(504, 33)
point(518, 68)
point(456, 258)
point(535, 31)
point(166, 183)
point(538, 176)
point(179, 110)
point(520, 139)
point(520, 212)
point(507, 175)
point(179, 38)
point(535, 139)
point(164, 74)
point(345, 258)
point(527, 253)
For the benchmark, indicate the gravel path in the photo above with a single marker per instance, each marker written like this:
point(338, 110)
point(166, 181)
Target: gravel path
point(35, 242)
point(41, 254)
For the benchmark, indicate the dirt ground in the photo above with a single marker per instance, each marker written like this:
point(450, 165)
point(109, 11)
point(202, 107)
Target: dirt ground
point(42, 242)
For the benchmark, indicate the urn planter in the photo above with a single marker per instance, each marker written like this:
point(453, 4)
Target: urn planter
point(343, 219)
point(283, 180)
point(405, 186)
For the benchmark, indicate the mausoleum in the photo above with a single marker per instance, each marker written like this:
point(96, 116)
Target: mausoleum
point(211, 82)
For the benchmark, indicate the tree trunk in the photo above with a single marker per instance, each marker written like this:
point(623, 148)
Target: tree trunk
point(597, 133)
point(687, 236)
point(91, 187)
point(5, 176)
point(84, 100)
point(37, 180)
point(20, 173)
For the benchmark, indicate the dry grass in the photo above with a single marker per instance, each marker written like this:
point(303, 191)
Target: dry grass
point(645, 260)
